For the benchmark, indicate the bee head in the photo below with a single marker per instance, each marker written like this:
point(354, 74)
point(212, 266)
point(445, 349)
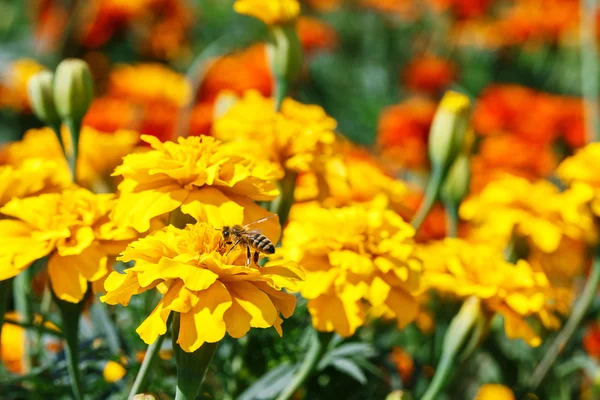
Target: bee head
point(226, 232)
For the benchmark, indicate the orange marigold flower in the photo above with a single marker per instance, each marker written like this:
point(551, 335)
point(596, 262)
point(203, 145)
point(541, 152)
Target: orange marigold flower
point(434, 226)
point(591, 340)
point(109, 114)
point(429, 74)
point(238, 72)
point(402, 132)
point(315, 34)
point(13, 83)
point(324, 5)
point(404, 364)
point(461, 8)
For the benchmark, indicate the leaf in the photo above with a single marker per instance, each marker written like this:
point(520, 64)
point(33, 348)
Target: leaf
point(348, 350)
point(270, 384)
point(349, 368)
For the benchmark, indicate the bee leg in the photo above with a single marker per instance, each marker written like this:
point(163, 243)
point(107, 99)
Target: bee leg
point(256, 257)
point(232, 247)
point(248, 256)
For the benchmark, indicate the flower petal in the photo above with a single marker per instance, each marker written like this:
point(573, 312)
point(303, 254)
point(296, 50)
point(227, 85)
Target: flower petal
point(67, 282)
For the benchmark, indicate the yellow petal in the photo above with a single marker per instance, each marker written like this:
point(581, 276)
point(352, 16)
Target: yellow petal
point(67, 282)
point(213, 206)
point(195, 278)
point(331, 313)
point(237, 320)
point(255, 302)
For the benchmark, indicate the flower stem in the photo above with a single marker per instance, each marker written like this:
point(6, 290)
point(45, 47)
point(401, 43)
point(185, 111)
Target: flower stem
point(191, 367)
point(575, 318)
point(141, 380)
point(284, 202)
point(21, 295)
point(318, 347)
point(56, 129)
point(99, 313)
point(589, 68)
point(71, 313)
point(4, 292)
point(74, 130)
point(452, 218)
point(281, 89)
point(431, 194)
point(456, 336)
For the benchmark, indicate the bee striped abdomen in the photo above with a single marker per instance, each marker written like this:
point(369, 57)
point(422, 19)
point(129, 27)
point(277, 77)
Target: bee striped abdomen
point(263, 244)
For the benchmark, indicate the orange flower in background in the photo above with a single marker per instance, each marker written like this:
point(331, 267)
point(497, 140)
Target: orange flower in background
point(315, 34)
point(480, 33)
point(238, 72)
point(402, 133)
point(407, 9)
point(434, 226)
point(591, 340)
point(109, 114)
point(404, 364)
point(461, 8)
point(429, 74)
point(12, 345)
point(13, 83)
point(324, 5)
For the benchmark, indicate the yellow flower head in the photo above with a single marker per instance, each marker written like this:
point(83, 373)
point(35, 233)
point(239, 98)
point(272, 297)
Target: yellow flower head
point(463, 269)
point(494, 392)
point(99, 153)
point(214, 292)
point(200, 175)
point(33, 177)
point(536, 211)
point(582, 170)
point(72, 228)
point(13, 83)
point(352, 254)
point(149, 83)
point(293, 138)
point(271, 12)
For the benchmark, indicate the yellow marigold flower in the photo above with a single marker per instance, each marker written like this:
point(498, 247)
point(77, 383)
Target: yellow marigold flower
point(352, 254)
point(99, 152)
point(494, 392)
point(537, 211)
point(199, 174)
point(213, 292)
point(271, 12)
point(582, 170)
point(293, 138)
point(33, 177)
point(13, 83)
point(149, 83)
point(113, 372)
point(72, 228)
point(463, 269)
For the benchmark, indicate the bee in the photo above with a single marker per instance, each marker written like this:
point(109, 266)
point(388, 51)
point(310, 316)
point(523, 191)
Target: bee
point(252, 239)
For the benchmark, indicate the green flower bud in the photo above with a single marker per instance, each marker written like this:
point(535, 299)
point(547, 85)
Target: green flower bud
point(456, 184)
point(73, 89)
point(284, 52)
point(448, 130)
point(39, 91)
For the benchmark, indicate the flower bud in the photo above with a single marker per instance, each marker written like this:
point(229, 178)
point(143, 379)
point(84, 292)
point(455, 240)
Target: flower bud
point(456, 184)
point(145, 396)
point(448, 129)
point(73, 89)
point(39, 90)
point(284, 52)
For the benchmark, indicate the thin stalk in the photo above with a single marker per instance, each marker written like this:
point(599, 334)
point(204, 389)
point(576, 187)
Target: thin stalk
point(4, 292)
point(281, 90)
point(318, 347)
point(22, 296)
point(581, 307)
point(141, 380)
point(71, 314)
point(284, 202)
point(431, 195)
point(589, 68)
point(44, 310)
point(41, 327)
point(455, 338)
point(452, 218)
point(56, 129)
point(191, 367)
point(74, 130)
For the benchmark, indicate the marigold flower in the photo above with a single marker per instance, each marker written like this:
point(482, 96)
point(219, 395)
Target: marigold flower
point(404, 364)
point(198, 174)
point(13, 83)
point(99, 153)
point(463, 269)
point(271, 12)
point(293, 138)
point(591, 340)
point(12, 345)
point(72, 228)
point(31, 178)
point(315, 34)
point(214, 292)
point(113, 372)
point(494, 392)
point(581, 170)
point(536, 211)
point(352, 254)
point(461, 8)
point(429, 74)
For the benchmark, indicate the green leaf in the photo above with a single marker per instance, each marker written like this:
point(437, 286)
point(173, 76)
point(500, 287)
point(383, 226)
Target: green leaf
point(270, 384)
point(349, 368)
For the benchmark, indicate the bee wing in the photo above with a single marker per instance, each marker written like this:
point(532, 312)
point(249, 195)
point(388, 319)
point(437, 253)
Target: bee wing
point(258, 221)
point(253, 232)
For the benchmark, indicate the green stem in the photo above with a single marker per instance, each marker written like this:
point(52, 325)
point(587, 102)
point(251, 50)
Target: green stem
point(575, 318)
point(56, 129)
point(21, 296)
point(99, 313)
point(452, 218)
point(318, 347)
point(431, 195)
point(284, 202)
point(141, 380)
point(456, 336)
point(71, 313)
point(74, 130)
point(281, 89)
point(4, 292)
point(589, 68)
point(191, 367)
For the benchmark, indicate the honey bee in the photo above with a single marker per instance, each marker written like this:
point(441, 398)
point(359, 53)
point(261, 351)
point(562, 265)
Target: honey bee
point(252, 239)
